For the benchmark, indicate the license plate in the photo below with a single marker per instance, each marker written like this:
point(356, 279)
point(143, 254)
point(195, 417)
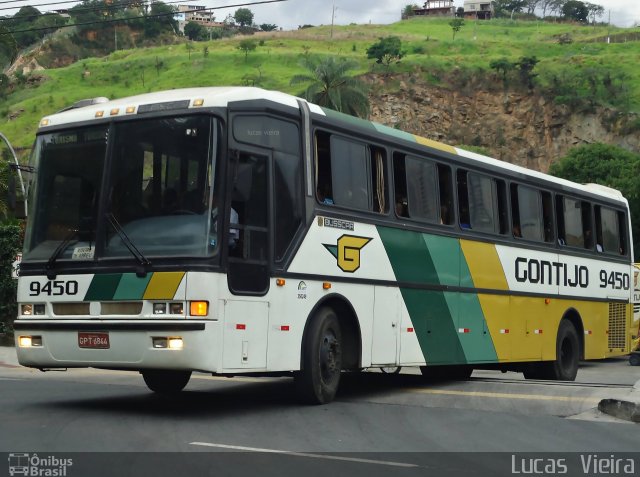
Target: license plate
point(93, 340)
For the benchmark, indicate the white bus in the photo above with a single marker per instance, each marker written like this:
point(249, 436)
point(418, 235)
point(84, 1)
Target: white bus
point(235, 230)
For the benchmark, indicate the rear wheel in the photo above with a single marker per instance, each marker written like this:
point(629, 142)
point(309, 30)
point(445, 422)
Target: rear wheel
point(165, 381)
point(317, 381)
point(565, 366)
point(634, 359)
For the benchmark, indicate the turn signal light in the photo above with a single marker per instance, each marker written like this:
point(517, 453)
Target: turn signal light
point(199, 308)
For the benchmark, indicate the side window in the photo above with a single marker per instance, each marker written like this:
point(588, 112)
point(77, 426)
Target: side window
point(575, 228)
point(422, 189)
point(445, 186)
point(482, 203)
point(350, 173)
point(609, 231)
point(526, 213)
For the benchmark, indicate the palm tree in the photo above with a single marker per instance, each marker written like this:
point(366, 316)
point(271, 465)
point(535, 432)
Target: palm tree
point(331, 87)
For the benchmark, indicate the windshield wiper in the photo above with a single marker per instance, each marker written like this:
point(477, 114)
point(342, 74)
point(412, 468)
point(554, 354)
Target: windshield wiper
point(51, 273)
point(142, 260)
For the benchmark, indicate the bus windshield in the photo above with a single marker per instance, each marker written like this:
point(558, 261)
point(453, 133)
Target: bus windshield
point(158, 194)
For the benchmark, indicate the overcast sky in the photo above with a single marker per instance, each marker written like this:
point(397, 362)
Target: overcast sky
point(292, 13)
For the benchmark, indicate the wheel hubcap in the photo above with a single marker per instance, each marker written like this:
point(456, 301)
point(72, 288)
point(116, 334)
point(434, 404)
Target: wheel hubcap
point(329, 356)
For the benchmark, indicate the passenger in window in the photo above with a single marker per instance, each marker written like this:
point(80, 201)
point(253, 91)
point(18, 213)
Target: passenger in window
point(234, 234)
point(465, 223)
point(401, 208)
point(324, 194)
point(444, 215)
point(516, 231)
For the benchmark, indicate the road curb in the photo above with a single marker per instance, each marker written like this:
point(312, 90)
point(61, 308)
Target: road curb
point(627, 408)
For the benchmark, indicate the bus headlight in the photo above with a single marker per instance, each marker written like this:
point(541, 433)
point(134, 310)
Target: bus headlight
point(29, 341)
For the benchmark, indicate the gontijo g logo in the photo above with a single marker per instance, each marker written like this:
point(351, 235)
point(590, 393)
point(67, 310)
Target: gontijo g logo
point(347, 251)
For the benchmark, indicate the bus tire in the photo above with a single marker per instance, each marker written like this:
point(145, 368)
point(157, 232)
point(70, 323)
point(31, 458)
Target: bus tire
point(634, 359)
point(317, 382)
point(565, 366)
point(166, 381)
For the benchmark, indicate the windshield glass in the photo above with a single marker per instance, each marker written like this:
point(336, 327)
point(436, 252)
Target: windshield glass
point(64, 197)
point(159, 192)
point(161, 187)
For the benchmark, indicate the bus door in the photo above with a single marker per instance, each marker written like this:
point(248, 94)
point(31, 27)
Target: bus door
point(246, 235)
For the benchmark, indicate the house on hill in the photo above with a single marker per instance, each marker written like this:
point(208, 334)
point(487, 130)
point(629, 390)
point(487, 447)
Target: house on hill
point(478, 10)
point(439, 8)
point(198, 14)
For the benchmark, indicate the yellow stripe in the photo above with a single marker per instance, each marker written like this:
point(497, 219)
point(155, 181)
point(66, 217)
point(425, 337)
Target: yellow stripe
point(163, 285)
point(531, 397)
point(435, 144)
point(484, 265)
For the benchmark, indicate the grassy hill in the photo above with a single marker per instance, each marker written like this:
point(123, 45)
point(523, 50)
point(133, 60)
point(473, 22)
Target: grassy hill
point(431, 52)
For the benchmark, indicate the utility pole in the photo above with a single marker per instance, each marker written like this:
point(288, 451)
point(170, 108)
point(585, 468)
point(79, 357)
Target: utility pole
point(115, 37)
point(333, 16)
point(609, 28)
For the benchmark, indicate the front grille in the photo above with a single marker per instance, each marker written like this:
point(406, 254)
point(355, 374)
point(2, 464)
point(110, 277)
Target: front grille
point(617, 325)
point(121, 308)
point(70, 309)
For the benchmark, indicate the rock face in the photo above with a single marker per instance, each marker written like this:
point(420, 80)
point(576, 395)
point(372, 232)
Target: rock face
point(528, 130)
point(25, 65)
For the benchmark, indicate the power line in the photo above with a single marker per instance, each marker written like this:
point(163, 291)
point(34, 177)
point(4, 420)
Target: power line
point(39, 5)
point(85, 9)
point(157, 15)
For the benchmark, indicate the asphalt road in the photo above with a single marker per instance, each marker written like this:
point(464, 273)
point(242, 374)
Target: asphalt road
point(379, 424)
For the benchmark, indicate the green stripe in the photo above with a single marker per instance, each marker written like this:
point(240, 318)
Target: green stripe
point(438, 316)
point(397, 133)
point(429, 311)
point(348, 118)
point(103, 287)
point(132, 287)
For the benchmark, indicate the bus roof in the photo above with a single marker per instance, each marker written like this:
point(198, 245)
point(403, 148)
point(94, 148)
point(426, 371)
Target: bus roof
point(210, 97)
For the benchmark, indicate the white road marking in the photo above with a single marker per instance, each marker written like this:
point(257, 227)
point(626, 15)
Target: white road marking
point(304, 454)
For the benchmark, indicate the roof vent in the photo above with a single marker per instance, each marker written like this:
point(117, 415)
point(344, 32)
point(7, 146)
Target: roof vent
point(83, 103)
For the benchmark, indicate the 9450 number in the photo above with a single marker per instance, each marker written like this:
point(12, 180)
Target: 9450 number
point(615, 280)
point(54, 288)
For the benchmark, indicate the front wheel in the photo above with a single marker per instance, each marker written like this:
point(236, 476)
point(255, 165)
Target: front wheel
point(317, 381)
point(165, 381)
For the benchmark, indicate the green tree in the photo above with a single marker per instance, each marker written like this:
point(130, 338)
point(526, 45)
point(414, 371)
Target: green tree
point(155, 26)
point(503, 67)
point(386, 51)
point(608, 165)
point(576, 10)
point(8, 48)
point(195, 31)
point(247, 46)
point(525, 66)
point(244, 17)
point(268, 27)
point(331, 86)
point(10, 244)
point(456, 24)
point(506, 8)
point(595, 11)
point(407, 11)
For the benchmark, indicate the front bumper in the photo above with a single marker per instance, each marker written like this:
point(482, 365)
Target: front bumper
point(130, 344)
